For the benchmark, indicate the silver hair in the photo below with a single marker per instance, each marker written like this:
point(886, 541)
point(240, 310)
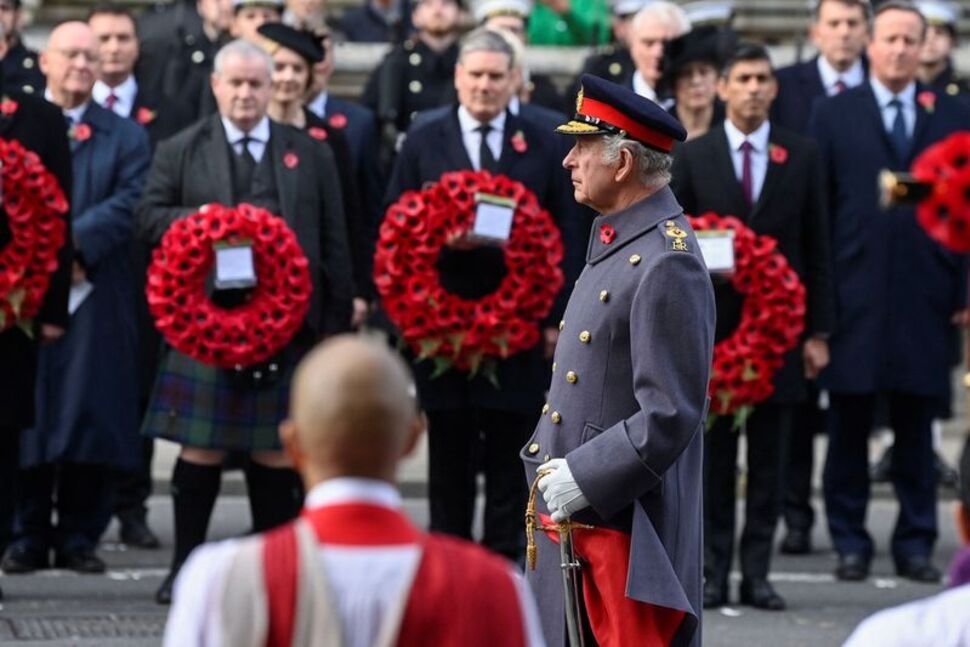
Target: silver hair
point(484, 39)
point(242, 49)
point(668, 13)
point(653, 166)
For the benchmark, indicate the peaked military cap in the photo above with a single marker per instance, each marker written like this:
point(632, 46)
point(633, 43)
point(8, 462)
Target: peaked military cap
point(272, 4)
point(304, 43)
point(605, 108)
point(939, 14)
point(485, 9)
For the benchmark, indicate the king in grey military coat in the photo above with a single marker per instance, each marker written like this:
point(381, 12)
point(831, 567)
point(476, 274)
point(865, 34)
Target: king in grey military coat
point(627, 405)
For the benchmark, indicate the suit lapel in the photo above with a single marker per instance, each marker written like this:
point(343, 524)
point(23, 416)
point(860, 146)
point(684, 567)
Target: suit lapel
point(454, 142)
point(922, 120)
point(870, 105)
point(281, 145)
point(216, 152)
point(510, 156)
point(724, 167)
point(812, 78)
point(773, 175)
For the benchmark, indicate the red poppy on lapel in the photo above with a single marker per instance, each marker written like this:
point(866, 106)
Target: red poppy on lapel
point(927, 99)
point(607, 234)
point(320, 134)
point(338, 120)
point(145, 116)
point(778, 154)
point(519, 144)
point(80, 132)
point(8, 106)
point(290, 160)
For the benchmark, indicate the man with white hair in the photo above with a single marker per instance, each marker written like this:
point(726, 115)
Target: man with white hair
point(652, 27)
point(240, 155)
point(618, 447)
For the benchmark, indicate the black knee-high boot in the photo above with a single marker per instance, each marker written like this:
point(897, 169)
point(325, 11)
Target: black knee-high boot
point(194, 491)
point(275, 495)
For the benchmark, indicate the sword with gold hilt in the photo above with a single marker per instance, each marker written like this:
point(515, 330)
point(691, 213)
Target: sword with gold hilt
point(569, 565)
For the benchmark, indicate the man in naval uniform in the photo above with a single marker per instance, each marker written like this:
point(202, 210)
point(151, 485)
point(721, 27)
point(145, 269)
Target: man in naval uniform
point(619, 442)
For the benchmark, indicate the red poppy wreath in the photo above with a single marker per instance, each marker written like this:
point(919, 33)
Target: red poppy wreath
point(34, 205)
point(945, 213)
point(228, 337)
point(450, 330)
point(772, 320)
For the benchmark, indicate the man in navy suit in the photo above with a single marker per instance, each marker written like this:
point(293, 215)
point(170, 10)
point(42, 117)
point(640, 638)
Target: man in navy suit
point(839, 31)
point(463, 409)
point(898, 294)
point(86, 383)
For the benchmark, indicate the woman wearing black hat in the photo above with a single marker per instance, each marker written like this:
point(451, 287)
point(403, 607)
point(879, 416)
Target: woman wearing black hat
point(690, 75)
point(294, 54)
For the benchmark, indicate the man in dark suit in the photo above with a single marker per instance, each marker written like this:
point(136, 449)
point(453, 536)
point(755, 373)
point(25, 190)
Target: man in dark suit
point(86, 381)
point(839, 31)
point(650, 30)
point(769, 178)
point(463, 409)
point(895, 285)
point(232, 157)
point(117, 90)
point(20, 68)
point(39, 127)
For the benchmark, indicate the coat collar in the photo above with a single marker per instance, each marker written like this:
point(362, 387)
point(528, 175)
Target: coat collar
point(631, 223)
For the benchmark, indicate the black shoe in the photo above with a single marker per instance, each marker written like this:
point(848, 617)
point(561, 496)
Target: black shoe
point(19, 559)
point(946, 476)
point(852, 567)
point(715, 595)
point(918, 569)
point(797, 542)
point(136, 533)
point(164, 593)
point(761, 595)
point(80, 561)
point(879, 472)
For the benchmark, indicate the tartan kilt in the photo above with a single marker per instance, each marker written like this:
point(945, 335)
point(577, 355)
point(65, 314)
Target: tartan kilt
point(198, 405)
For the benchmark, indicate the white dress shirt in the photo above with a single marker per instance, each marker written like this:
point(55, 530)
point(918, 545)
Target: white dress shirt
point(852, 77)
point(641, 87)
point(759, 154)
point(259, 137)
point(365, 581)
point(472, 139)
point(125, 94)
point(908, 98)
point(318, 105)
point(942, 620)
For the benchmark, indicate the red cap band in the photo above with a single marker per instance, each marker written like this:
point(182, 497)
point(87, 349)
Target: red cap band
point(612, 116)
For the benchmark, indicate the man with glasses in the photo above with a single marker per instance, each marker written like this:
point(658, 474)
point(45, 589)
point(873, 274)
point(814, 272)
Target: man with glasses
point(86, 381)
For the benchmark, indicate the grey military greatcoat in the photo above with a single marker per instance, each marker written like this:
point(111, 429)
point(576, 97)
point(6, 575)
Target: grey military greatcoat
point(627, 404)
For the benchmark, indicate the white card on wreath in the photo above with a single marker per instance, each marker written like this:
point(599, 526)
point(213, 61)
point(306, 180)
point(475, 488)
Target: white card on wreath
point(493, 218)
point(234, 267)
point(717, 248)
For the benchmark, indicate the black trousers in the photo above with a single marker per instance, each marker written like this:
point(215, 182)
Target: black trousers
point(912, 471)
point(461, 443)
point(798, 459)
point(762, 506)
point(132, 489)
point(9, 468)
point(83, 496)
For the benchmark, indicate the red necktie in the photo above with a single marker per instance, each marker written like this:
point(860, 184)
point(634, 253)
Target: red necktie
point(747, 181)
point(840, 86)
point(110, 102)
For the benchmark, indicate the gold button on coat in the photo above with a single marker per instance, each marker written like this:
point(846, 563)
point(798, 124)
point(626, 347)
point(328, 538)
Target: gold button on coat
point(415, 87)
point(571, 377)
point(556, 418)
point(635, 259)
point(585, 337)
point(414, 59)
point(553, 367)
point(534, 448)
point(604, 296)
point(562, 324)
point(545, 409)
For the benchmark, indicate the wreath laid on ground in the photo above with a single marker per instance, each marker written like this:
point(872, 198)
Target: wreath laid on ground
point(445, 328)
point(35, 206)
point(228, 337)
point(772, 320)
point(945, 213)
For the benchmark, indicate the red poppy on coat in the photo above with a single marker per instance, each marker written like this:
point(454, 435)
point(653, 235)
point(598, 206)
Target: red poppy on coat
point(338, 120)
point(145, 116)
point(607, 234)
point(8, 106)
point(519, 144)
point(778, 154)
point(290, 160)
point(81, 132)
point(926, 99)
point(320, 134)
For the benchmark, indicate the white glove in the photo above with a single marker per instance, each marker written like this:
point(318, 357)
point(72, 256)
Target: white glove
point(560, 491)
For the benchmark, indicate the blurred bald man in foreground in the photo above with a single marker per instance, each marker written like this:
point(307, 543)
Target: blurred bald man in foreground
point(352, 570)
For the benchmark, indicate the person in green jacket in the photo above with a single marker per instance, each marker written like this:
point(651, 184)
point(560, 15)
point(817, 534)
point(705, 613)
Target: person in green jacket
point(570, 22)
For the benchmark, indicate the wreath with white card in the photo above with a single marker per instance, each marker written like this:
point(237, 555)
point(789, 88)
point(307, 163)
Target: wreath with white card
point(443, 327)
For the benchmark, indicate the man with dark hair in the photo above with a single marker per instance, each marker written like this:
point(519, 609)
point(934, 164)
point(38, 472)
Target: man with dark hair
point(769, 178)
point(894, 285)
point(839, 31)
point(20, 66)
point(415, 75)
